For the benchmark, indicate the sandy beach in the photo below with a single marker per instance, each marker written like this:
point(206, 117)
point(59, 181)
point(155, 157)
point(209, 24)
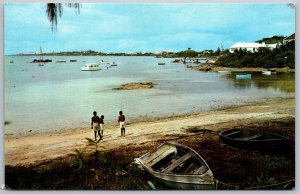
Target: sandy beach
point(35, 148)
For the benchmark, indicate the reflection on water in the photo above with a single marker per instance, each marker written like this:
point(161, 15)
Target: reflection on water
point(284, 82)
point(60, 96)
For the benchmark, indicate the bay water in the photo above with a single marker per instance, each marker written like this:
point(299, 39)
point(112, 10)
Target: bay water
point(59, 96)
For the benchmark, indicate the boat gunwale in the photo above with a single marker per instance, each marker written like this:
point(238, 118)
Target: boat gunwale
point(221, 134)
point(140, 160)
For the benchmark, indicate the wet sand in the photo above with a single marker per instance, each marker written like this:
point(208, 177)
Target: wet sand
point(36, 148)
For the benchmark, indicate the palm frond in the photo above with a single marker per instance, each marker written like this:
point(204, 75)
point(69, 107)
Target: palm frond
point(52, 15)
point(74, 5)
point(78, 159)
point(56, 9)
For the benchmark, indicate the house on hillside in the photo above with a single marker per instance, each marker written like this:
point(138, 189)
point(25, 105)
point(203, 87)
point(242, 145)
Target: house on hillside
point(272, 46)
point(254, 46)
point(289, 39)
point(248, 46)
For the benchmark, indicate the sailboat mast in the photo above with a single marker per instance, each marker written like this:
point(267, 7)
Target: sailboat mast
point(41, 53)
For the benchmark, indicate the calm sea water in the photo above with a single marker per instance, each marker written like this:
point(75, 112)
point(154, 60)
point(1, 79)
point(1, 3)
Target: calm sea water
point(60, 96)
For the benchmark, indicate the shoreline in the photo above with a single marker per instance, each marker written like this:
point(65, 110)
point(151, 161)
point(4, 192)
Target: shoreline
point(35, 148)
point(214, 68)
point(146, 118)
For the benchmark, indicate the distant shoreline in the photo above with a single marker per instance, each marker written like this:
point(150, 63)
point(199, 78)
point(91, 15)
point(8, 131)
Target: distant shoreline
point(198, 67)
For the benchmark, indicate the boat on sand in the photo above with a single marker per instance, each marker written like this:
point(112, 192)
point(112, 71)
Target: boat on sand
point(255, 141)
point(178, 167)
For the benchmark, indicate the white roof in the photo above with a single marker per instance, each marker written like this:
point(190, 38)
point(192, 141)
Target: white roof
point(248, 45)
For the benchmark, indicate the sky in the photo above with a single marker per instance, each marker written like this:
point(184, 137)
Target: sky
point(143, 27)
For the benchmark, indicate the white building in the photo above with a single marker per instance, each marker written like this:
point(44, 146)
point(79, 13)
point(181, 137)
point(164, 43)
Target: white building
point(272, 46)
point(248, 46)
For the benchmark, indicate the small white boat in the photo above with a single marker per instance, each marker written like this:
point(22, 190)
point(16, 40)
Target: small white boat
point(266, 72)
point(243, 76)
point(112, 63)
point(224, 72)
point(178, 167)
point(91, 67)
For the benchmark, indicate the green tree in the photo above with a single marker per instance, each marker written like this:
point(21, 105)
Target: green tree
point(283, 56)
point(189, 53)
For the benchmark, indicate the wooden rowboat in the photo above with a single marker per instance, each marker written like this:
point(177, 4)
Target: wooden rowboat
point(178, 167)
point(256, 141)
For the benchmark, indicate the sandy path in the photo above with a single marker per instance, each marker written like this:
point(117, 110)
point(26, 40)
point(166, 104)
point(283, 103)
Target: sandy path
point(38, 147)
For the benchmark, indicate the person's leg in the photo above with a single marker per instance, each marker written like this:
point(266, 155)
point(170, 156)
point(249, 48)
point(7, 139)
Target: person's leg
point(99, 133)
point(95, 133)
point(121, 129)
point(123, 126)
point(101, 128)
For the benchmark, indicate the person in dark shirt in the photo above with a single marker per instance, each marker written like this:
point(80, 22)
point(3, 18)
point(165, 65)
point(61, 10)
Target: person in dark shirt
point(121, 121)
point(95, 121)
point(101, 125)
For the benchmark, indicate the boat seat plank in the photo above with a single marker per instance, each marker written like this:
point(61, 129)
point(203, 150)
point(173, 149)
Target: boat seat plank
point(233, 133)
point(177, 163)
point(157, 158)
point(254, 136)
point(200, 170)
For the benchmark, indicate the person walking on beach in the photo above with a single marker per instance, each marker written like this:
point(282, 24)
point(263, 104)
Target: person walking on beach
point(95, 121)
point(121, 121)
point(101, 124)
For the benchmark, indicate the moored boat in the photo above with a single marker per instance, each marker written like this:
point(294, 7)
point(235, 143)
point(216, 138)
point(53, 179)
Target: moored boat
point(113, 64)
point(224, 71)
point(108, 62)
point(243, 76)
point(266, 72)
point(273, 70)
point(256, 141)
point(161, 63)
point(91, 67)
point(41, 60)
point(178, 167)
